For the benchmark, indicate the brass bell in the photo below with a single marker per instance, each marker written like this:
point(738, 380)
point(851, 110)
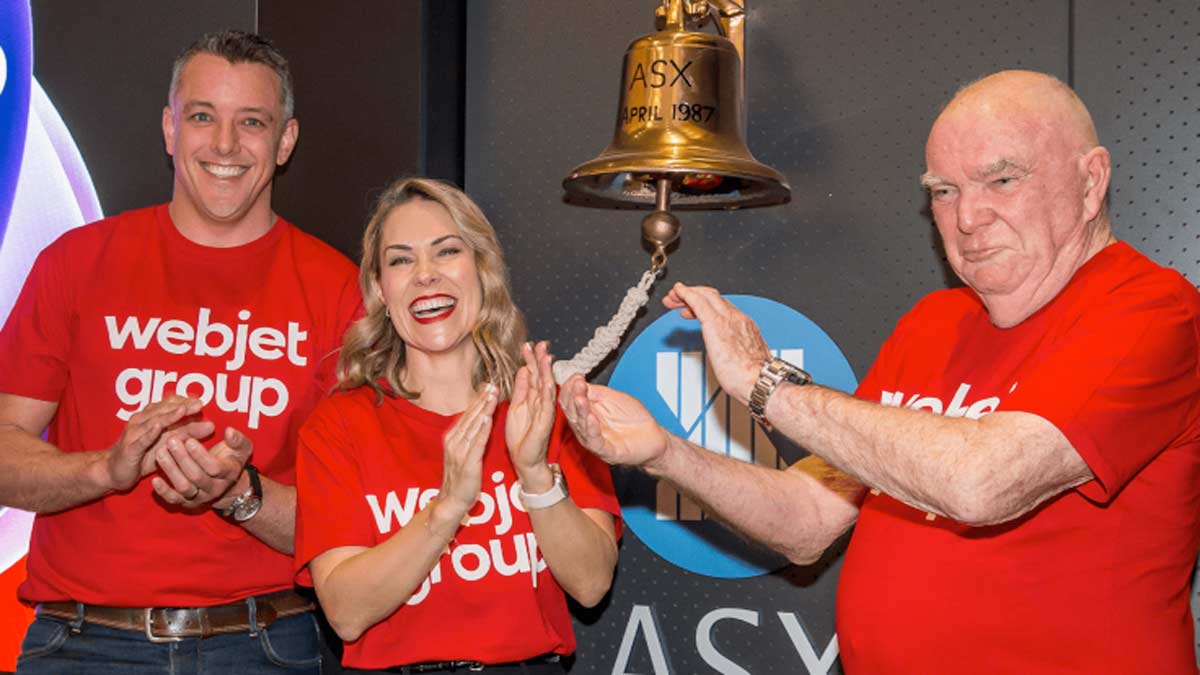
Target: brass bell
point(679, 139)
point(681, 122)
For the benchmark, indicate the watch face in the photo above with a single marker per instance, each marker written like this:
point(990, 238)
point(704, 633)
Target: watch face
point(790, 372)
point(247, 509)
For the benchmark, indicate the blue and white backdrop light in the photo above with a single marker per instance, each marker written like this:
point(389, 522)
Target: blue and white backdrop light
point(45, 190)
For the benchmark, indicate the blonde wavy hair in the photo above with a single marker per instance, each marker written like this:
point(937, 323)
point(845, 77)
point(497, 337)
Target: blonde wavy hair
point(373, 352)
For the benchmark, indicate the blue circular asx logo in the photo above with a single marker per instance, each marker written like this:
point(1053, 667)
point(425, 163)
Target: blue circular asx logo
point(665, 368)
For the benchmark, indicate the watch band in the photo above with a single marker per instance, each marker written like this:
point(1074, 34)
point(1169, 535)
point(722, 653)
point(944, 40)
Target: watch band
point(246, 505)
point(554, 495)
point(255, 480)
point(773, 372)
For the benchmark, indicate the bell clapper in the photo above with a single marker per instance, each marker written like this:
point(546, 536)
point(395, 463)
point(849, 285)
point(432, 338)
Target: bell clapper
point(660, 227)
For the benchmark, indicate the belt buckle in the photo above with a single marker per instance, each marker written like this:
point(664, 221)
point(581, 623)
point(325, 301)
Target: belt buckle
point(150, 630)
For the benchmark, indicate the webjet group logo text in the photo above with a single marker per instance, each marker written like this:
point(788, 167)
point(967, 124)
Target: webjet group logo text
point(666, 369)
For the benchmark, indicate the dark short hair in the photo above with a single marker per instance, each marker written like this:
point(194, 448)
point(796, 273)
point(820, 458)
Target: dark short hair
point(238, 46)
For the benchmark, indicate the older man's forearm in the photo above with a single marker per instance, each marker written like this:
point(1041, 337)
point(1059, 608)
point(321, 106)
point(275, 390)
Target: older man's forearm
point(977, 472)
point(794, 512)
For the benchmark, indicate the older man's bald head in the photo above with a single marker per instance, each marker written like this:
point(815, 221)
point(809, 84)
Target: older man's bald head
point(1017, 183)
point(1027, 95)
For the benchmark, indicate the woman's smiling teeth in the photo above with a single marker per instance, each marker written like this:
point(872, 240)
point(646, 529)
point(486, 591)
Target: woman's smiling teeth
point(432, 308)
point(224, 170)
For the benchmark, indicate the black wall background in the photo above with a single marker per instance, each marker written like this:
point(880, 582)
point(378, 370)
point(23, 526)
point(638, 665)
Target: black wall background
point(506, 96)
point(106, 67)
point(375, 99)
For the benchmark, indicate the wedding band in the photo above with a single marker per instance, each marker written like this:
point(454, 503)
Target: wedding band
point(195, 493)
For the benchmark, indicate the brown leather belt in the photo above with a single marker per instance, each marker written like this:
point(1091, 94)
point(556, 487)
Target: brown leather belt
point(171, 624)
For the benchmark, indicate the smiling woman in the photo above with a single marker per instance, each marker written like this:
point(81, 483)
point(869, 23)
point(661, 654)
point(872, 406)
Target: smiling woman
point(451, 233)
point(433, 517)
point(429, 285)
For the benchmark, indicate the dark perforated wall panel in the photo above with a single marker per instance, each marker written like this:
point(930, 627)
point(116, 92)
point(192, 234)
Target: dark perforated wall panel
point(1142, 81)
point(1138, 67)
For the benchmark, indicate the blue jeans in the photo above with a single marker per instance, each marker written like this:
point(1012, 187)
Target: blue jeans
point(53, 646)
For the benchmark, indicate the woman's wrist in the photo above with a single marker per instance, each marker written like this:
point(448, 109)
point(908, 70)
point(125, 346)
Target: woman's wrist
point(444, 518)
point(536, 479)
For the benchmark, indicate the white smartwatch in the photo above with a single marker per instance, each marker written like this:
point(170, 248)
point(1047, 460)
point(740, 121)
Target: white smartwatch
point(554, 495)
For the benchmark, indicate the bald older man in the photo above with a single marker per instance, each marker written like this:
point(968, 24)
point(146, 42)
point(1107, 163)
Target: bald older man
point(1023, 458)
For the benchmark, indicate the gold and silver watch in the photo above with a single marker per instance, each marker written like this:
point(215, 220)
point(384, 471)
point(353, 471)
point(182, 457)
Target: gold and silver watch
point(773, 372)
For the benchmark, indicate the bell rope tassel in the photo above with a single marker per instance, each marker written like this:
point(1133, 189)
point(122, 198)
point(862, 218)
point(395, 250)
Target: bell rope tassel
point(607, 337)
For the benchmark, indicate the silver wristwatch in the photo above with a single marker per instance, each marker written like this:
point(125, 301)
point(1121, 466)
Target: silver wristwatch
point(246, 505)
point(773, 372)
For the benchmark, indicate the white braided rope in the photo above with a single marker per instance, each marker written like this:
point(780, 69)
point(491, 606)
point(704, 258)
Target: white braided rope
point(607, 337)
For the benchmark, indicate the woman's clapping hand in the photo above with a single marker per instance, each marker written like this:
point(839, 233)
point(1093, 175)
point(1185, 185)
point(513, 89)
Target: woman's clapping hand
point(464, 444)
point(531, 418)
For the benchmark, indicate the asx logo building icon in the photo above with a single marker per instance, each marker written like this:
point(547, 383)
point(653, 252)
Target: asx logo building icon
point(666, 369)
point(711, 420)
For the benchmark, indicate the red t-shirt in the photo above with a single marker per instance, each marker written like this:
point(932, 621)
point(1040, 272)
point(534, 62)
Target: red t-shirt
point(1096, 579)
point(118, 313)
point(364, 470)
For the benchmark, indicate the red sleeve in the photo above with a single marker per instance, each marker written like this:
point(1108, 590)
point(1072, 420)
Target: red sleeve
point(36, 339)
point(1122, 386)
point(328, 485)
point(884, 367)
point(349, 309)
point(588, 478)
